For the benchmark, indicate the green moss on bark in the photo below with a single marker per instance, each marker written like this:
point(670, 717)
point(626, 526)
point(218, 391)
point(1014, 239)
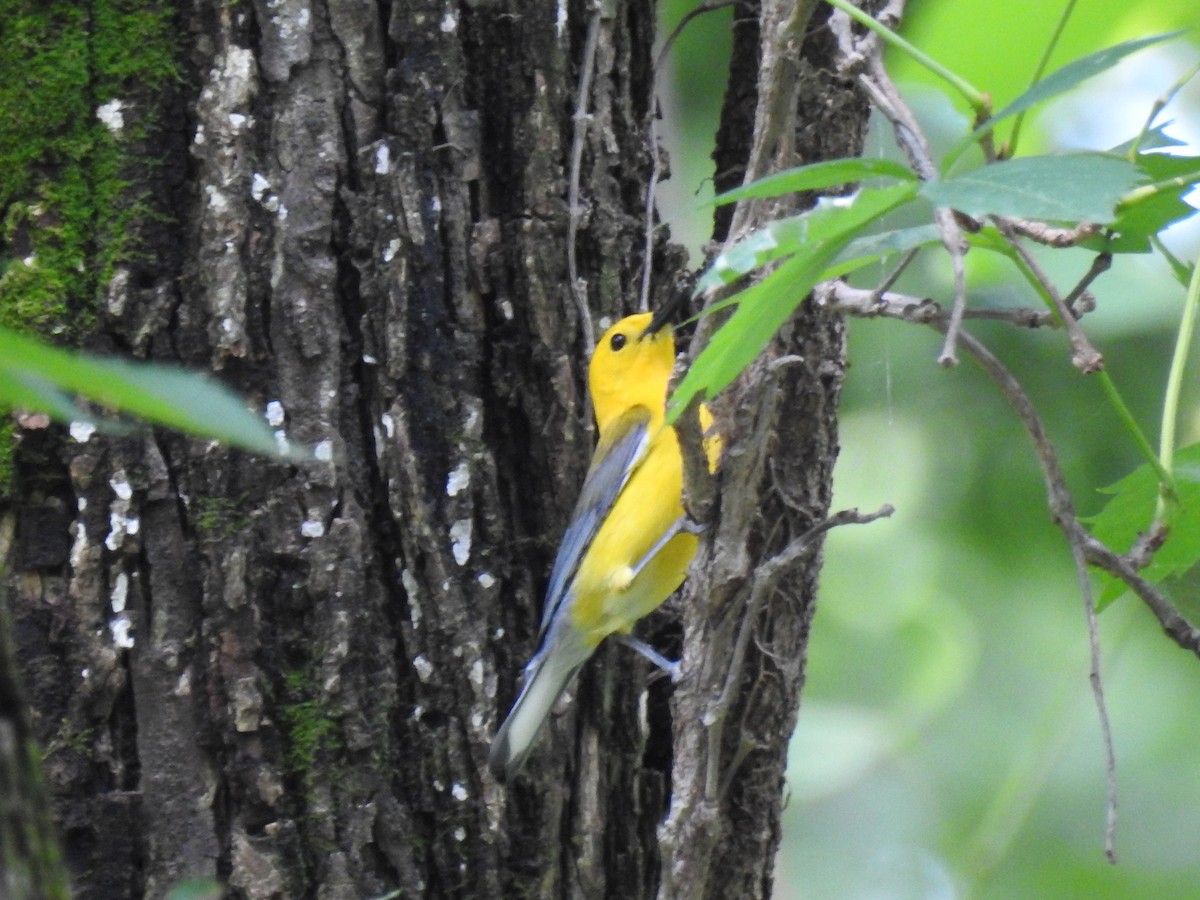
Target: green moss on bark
point(71, 204)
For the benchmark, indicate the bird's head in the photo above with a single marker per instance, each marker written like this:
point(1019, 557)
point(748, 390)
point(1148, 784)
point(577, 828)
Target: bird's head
point(631, 365)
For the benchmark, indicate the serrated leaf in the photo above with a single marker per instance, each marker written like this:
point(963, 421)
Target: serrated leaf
point(1154, 139)
point(761, 311)
point(1059, 82)
point(874, 247)
point(815, 177)
point(1148, 215)
point(765, 306)
point(37, 376)
point(787, 236)
point(1077, 187)
point(1131, 510)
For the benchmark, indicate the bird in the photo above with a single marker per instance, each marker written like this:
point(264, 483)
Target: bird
point(629, 541)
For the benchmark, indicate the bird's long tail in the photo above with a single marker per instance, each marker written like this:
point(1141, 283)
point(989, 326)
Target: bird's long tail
point(547, 676)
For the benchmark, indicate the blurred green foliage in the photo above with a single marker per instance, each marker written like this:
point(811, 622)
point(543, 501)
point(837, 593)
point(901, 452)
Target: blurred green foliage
point(948, 744)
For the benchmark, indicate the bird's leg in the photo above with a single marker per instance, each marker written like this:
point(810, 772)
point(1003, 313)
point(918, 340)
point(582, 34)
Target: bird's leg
point(673, 669)
point(682, 525)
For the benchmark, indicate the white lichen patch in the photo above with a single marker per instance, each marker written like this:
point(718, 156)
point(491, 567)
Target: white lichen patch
point(423, 667)
point(390, 251)
point(120, 593)
point(458, 792)
point(485, 579)
point(477, 673)
point(275, 413)
point(120, 627)
point(120, 485)
point(460, 541)
point(389, 424)
point(116, 530)
point(312, 528)
point(111, 117)
point(449, 22)
point(383, 159)
point(82, 431)
point(458, 480)
point(323, 451)
point(79, 545)
point(259, 186)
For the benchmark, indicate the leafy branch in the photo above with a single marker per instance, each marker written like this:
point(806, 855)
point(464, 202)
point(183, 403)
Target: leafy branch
point(1112, 202)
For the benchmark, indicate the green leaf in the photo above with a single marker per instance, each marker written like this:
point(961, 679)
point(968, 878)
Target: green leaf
point(765, 306)
point(1078, 187)
point(874, 247)
point(787, 236)
point(761, 311)
point(37, 376)
point(815, 177)
point(1154, 139)
point(1151, 211)
point(1059, 82)
point(1131, 510)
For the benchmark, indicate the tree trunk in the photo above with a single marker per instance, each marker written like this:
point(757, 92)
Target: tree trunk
point(286, 678)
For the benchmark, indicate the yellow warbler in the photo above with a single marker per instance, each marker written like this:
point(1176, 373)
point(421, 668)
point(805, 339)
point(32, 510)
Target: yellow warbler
point(628, 544)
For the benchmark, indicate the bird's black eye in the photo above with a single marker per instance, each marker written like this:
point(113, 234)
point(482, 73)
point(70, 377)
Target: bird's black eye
point(617, 341)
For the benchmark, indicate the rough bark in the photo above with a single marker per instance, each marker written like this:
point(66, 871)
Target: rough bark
point(365, 231)
point(750, 599)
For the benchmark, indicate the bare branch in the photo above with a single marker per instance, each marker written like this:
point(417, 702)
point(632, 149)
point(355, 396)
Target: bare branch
point(1079, 301)
point(1062, 509)
point(660, 62)
point(858, 302)
point(1084, 355)
point(782, 25)
point(1050, 235)
point(1176, 626)
point(587, 70)
point(765, 579)
point(882, 91)
point(918, 310)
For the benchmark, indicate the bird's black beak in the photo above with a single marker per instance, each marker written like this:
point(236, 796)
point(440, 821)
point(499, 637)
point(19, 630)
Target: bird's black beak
point(663, 315)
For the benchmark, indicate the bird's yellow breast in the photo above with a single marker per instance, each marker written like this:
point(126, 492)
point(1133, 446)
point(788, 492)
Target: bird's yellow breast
point(607, 595)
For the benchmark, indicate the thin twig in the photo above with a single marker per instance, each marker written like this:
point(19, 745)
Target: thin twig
point(1062, 509)
point(766, 577)
point(1079, 556)
point(882, 91)
point(782, 25)
point(869, 304)
point(587, 69)
point(660, 63)
point(1084, 355)
point(1173, 623)
point(892, 277)
point(1078, 300)
point(1050, 235)
point(859, 302)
